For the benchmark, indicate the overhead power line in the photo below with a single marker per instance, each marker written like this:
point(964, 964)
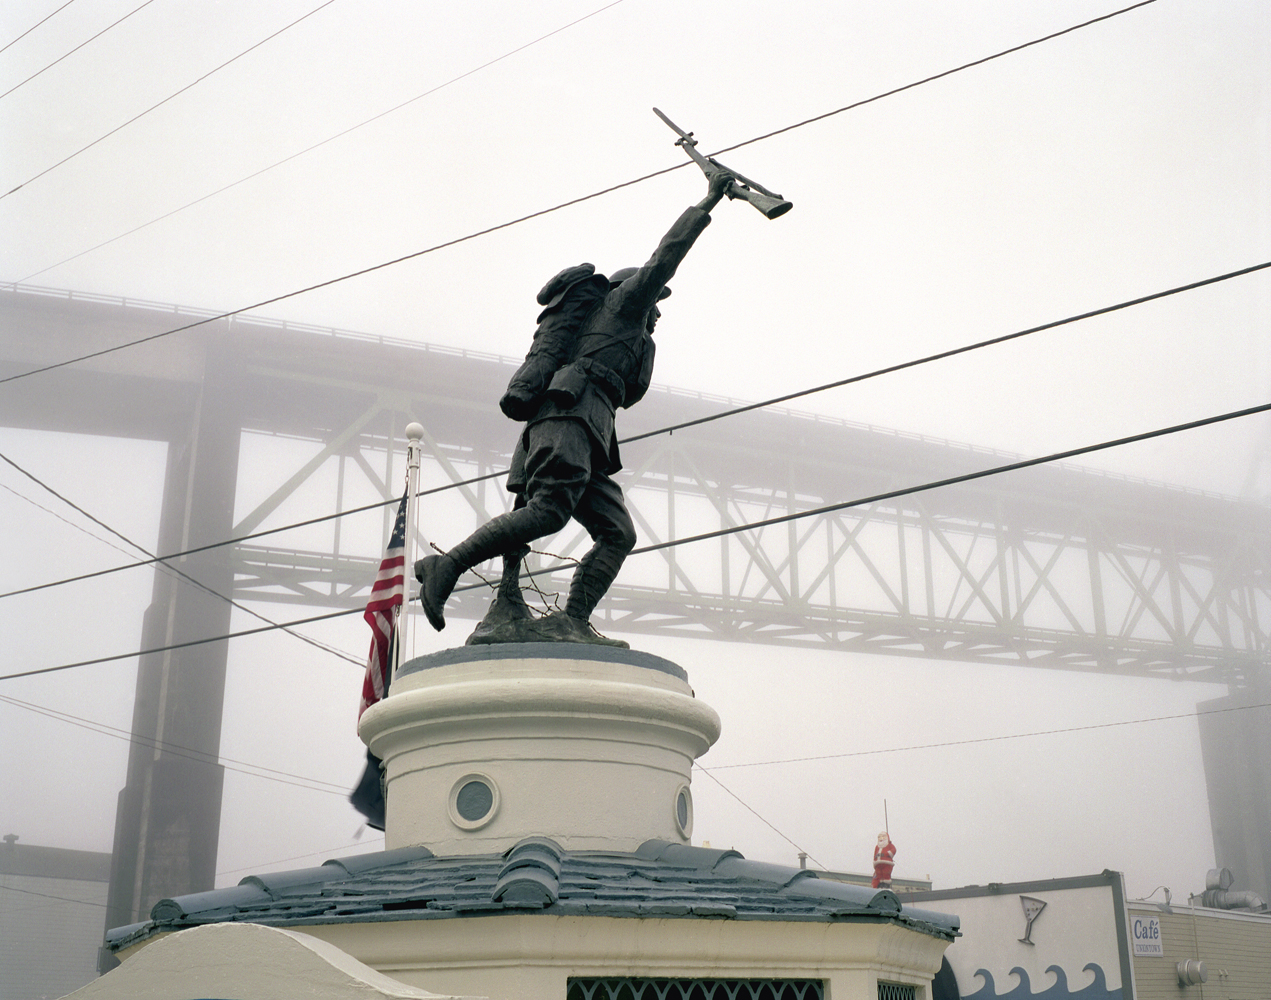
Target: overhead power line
point(183, 645)
point(735, 529)
point(242, 538)
point(995, 739)
point(668, 429)
point(967, 477)
point(63, 899)
point(272, 774)
point(176, 750)
point(555, 208)
point(296, 857)
point(74, 50)
point(230, 871)
point(938, 76)
point(316, 145)
point(173, 570)
point(134, 118)
point(708, 772)
point(37, 24)
point(67, 520)
point(953, 352)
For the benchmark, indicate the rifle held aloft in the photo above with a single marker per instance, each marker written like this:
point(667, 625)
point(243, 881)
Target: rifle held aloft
point(772, 205)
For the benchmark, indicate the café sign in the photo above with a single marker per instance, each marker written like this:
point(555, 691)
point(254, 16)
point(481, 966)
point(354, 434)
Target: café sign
point(1145, 932)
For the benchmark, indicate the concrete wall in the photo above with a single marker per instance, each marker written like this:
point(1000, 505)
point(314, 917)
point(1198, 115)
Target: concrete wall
point(51, 906)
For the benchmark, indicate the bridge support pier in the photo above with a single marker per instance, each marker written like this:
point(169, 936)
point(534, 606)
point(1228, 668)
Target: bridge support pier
point(1236, 747)
point(168, 817)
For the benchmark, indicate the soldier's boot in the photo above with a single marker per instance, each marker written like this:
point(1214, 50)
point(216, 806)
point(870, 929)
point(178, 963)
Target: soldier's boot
point(508, 606)
point(508, 613)
point(509, 533)
point(509, 599)
point(437, 576)
point(596, 572)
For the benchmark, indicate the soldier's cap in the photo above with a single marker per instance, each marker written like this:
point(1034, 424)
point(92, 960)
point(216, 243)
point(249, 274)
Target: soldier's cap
point(551, 294)
point(619, 276)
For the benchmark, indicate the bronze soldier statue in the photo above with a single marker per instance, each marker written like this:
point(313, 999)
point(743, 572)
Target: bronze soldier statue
point(592, 353)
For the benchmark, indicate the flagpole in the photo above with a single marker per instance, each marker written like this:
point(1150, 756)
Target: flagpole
point(414, 434)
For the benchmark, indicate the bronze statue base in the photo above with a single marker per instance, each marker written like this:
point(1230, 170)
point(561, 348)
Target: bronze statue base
point(504, 623)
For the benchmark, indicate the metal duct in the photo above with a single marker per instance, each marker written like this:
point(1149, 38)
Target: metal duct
point(1218, 894)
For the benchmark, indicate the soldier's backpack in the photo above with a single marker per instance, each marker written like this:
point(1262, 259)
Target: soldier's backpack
point(567, 300)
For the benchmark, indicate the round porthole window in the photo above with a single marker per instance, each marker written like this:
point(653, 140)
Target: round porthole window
point(684, 812)
point(474, 799)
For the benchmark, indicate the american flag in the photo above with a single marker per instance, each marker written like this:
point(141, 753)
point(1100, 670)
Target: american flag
point(387, 595)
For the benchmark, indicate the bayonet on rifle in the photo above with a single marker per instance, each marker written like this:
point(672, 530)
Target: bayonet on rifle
point(770, 204)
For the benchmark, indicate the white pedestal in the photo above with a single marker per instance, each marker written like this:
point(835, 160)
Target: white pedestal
point(591, 746)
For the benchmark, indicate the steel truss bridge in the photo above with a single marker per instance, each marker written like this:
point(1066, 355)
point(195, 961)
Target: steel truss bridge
point(1052, 566)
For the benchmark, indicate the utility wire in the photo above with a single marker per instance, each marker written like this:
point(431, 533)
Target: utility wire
point(37, 24)
point(665, 430)
point(296, 857)
point(74, 50)
point(749, 526)
point(230, 871)
point(66, 520)
point(320, 519)
point(953, 480)
point(185, 645)
point(343, 277)
point(953, 352)
point(45, 895)
point(47, 488)
point(176, 750)
point(173, 570)
point(309, 149)
point(243, 538)
point(544, 211)
point(996, 739)
point(937, 76)
point(134, 118)
point(707, 771)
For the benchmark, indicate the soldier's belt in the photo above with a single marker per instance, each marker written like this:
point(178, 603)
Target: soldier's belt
point(570, 382)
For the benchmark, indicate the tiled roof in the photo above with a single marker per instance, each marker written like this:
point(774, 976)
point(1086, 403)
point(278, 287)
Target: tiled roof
point(657, 880)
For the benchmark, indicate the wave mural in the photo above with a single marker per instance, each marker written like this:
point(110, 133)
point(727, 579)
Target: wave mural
point(1097, 990)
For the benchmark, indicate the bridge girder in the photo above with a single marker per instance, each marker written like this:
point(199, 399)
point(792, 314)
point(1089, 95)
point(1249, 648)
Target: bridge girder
point(1049, 566)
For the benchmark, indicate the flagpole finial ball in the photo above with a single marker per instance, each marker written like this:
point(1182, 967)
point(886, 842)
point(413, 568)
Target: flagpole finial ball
point(415, 431)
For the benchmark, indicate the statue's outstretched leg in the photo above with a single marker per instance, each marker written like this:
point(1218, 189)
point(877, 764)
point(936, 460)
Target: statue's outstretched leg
point(508, 533)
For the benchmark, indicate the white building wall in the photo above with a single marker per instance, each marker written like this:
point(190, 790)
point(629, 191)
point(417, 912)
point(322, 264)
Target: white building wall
point(50, 930)
point(532, 956)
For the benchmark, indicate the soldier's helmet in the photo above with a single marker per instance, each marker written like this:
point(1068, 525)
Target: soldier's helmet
point(621, 275)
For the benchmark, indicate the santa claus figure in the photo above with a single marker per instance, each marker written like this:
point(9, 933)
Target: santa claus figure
point(884, 861)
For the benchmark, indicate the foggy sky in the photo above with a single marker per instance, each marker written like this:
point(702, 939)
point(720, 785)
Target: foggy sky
point(1113, 162)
